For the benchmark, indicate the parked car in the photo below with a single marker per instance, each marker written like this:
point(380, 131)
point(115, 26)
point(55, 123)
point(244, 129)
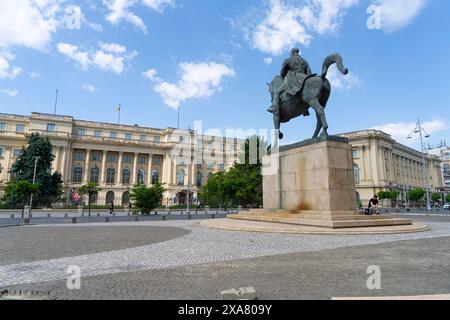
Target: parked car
point(447, 206)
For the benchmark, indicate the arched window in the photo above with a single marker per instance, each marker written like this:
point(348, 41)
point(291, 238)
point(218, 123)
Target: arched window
point(77, 174)
point(199, 180)
point(141, 176)
point(95, 172)
point(125, 198)
point(110, 197)
point(180, 177)
point(111, 175)
point(357, 171)
point(94, 198)
point(126, 174)
point(155, 176)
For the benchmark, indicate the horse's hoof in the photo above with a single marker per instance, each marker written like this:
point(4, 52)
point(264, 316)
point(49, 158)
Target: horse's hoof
point(280, 136)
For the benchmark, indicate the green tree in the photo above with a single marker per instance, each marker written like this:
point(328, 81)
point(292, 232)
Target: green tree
point(89, 189)
point(389, 195)
point(242, 184)
point(147, 198)
point(416, 194)
point(18, 193)
point(436, 197)
point(447, 198)
point(50, 185)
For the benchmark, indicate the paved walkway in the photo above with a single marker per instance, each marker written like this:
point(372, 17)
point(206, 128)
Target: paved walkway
point(202, 245)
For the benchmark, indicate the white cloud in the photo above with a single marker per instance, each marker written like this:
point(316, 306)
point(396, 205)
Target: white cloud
point(197, 80)
point(11, 93)
point(289, 23)
point(396, 14)
point(400, 131)
point(74, 53)
point(111, 57)
point(342, 82)
point(6, 70)
point(120, 10)
point(151, 74)
point(34, 75)
point(268, 61)
point(88, 87)
point(28, 23)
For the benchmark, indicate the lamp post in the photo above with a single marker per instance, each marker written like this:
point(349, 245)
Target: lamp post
point(34, 181)
point(422, 133)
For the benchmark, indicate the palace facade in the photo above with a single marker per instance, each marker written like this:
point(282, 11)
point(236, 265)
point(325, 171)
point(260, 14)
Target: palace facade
point(118, 156)
point(383, 164)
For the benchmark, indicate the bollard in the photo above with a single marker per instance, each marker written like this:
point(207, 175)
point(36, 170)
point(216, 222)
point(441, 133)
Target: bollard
point(82, 215)
point(107, 219)
point(74, 220)
point(189, 217)
point(156, 213)
point(66, 215)
point(12, 216)
point(136, 218)
point(213, 216)
point(49, 215)
point(169, 212)
point(164, 218)
point(98, 214)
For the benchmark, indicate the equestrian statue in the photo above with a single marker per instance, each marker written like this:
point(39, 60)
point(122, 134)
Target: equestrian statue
point(297, 89)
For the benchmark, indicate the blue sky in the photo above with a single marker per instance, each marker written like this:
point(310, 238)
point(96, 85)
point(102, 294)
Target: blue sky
point(213, 59)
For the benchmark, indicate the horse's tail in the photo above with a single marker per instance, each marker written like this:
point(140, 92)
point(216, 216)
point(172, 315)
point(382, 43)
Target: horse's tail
point(330, 60)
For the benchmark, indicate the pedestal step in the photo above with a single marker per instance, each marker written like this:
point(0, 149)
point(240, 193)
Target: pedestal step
point(329, 220)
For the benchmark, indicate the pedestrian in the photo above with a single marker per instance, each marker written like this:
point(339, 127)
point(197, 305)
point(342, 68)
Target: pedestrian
point(111, 208)
point(374, 205)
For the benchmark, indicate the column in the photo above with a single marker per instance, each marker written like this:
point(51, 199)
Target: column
point(165, 176)
point(6, 169)
point(87, 162)
point(63, 163)
point(119, 169)
point(134, 173)
point(103, 173)
point(149, 170)
point(56, 160)
point(174, 172)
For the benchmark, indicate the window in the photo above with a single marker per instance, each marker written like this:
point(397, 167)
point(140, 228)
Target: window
point(96, 156)
point(210, 165)
point(112, 158)
point(181, 139)
point(357, 171)
point(143, 137)
point(20, 128)
point(113, 135)
point(355, 154)
point(199, 180)
point(79, 156)
point(1, 151)
point(51, 127)
point(222, 166)
point(156, 160)
point(17, 152)
point(81, 132)
point(155, 176)
point(2, 126)
point(126, 176)
point(77, 174)
point(97, 133)
point(157, 139)
point(128, 136)
point(127, 159)
point(95, 172)
point(180, 177)
point(140, 176)
point(141, 160)
point(111, 175)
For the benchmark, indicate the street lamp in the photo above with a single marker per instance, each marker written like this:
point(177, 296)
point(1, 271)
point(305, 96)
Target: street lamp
point(34, 181)
point(421, 131)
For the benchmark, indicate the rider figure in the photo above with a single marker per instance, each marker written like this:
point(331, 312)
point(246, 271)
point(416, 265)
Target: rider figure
point(294, 72)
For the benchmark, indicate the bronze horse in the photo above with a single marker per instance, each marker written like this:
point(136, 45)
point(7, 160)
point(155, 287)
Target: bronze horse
point(314, 94)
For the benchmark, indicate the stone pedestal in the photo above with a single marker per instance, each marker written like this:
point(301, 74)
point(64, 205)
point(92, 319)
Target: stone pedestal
point(312, 183)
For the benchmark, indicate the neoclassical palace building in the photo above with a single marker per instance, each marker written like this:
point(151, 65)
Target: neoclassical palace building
point(383, 164)
point(118, 156)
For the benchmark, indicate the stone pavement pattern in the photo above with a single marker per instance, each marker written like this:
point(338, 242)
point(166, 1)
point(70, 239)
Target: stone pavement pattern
point(195, 251)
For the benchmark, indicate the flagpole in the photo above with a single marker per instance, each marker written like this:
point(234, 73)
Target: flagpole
point(120, 107)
